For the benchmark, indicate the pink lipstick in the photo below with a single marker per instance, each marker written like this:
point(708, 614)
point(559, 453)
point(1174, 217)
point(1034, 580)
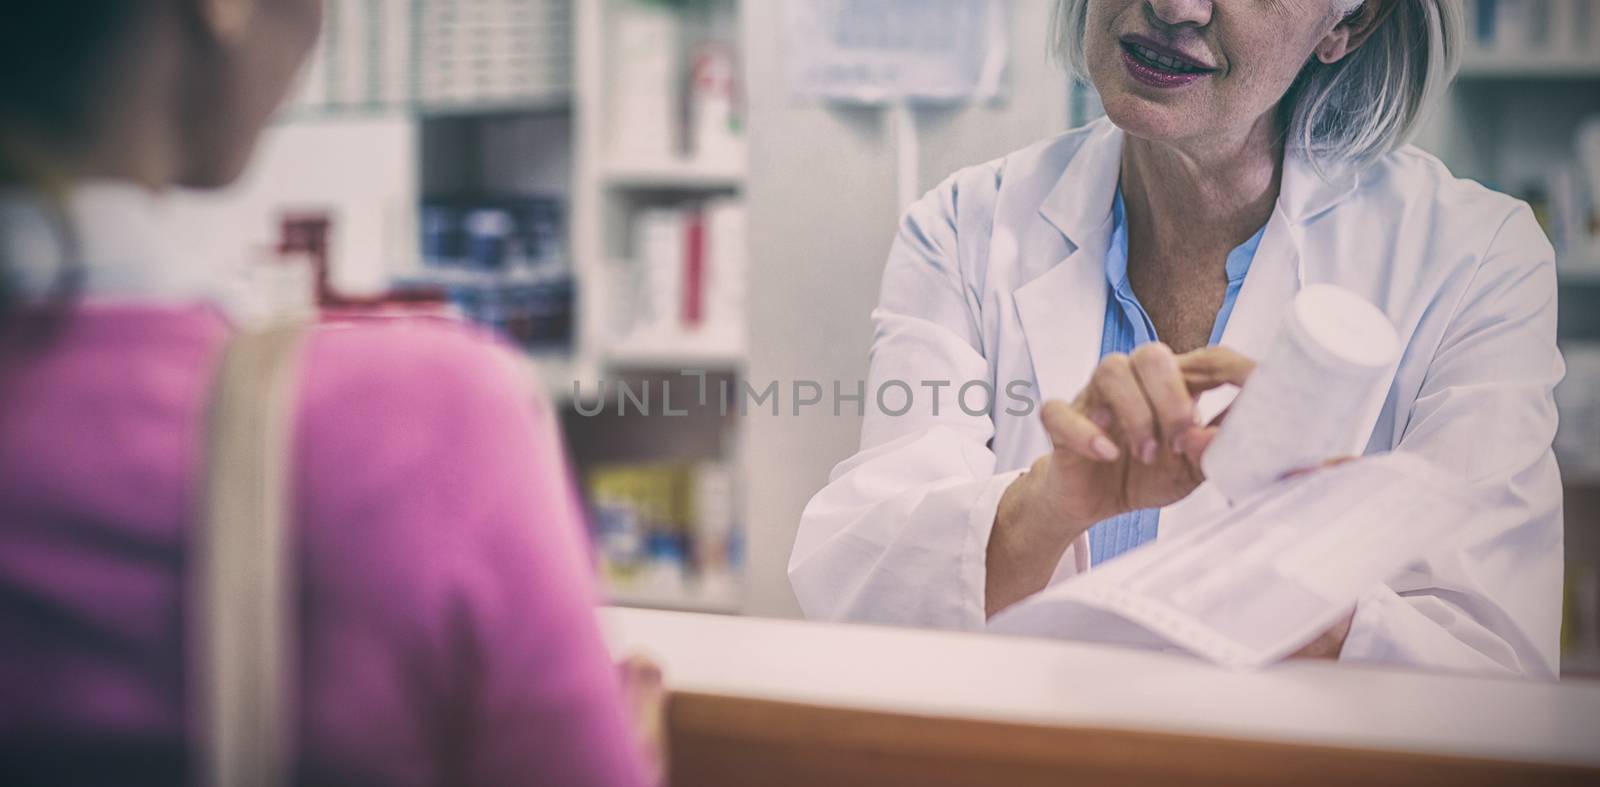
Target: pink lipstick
point(1157, 65)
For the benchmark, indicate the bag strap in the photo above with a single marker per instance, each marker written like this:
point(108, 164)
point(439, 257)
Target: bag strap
point(242, 585)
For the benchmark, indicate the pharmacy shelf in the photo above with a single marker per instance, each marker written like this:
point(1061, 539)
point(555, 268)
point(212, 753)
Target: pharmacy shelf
point(438, 109)
point(1580, 666)
point(686, 599)
point(685, 352)
point(1490, 65)
point(555, 102)
point(292, 113)
point(1575, 275)
point(554, 373)
point(673, 174)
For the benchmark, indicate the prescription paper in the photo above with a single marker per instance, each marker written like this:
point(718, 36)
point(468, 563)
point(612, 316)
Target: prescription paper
point(1260, 580)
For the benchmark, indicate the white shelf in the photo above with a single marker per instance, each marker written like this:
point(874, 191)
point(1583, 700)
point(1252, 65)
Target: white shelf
point(555, 102)
point(1581, 665)
point(687, 599)
point(673, 174)
point(684, 352)
point(1494, 65)
point(555, 372)
point(1587, 275)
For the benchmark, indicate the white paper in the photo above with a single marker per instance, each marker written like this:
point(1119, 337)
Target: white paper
point(1262, 579)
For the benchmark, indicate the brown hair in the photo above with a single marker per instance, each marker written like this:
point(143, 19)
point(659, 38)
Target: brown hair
point(53, 57)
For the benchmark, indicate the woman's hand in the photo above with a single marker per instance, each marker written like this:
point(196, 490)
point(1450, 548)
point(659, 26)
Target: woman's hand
point(1128, 441)
point(1329, 643)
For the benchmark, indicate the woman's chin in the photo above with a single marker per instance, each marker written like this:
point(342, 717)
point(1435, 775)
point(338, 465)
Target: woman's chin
point(1146, 119)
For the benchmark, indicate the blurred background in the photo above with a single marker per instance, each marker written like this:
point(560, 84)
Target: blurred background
point(629, 190)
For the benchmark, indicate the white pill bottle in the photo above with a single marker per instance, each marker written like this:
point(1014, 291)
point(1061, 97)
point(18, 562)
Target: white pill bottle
point(1306, 394)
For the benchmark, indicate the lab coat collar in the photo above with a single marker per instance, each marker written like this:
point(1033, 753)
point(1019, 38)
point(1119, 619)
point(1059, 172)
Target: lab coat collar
point(1284, 263)
point(1080, 202)
point(1305, 194)
point(1079, 205)
point(1062, 310)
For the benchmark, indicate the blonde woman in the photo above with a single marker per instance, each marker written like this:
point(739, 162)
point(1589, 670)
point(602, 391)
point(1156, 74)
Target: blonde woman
point(1113, 273)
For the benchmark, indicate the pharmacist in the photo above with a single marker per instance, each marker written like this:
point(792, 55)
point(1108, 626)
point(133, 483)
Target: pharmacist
point(1250, 150)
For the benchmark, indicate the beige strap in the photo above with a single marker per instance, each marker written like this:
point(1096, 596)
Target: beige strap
point(242, 594)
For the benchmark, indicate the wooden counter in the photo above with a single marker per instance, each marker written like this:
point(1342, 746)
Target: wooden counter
point(777, 702)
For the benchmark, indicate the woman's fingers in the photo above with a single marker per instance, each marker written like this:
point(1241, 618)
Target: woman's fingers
point(1213, 367)
point(1116, 386)
point(1157, 371)
point(1217, 419)
point(1146, 398)
point(1196, 443)
point(1329, 643)
point(1071, 431)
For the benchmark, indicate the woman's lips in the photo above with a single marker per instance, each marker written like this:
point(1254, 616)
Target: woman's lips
point(1156, 74)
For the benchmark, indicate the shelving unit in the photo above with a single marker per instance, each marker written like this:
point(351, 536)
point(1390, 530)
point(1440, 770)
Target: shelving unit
point(551, 137)
point(608, 188)
point(684, 355)
point(1587, 275)
point(725, 601)
point(1511, 121)
point(1579, 274)
point(673, 174)
point(479, 109)
point(555, 373)
point(559, 142)
point(1482, 64)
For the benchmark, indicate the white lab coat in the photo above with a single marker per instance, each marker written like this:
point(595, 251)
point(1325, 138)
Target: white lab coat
point(998, 275)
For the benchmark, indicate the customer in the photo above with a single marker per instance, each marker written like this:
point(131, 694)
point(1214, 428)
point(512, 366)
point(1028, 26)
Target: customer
point(446, 631)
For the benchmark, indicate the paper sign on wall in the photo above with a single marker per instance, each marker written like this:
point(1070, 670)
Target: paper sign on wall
point(884, 51)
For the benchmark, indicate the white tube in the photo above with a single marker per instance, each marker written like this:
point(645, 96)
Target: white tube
point(1296, 410)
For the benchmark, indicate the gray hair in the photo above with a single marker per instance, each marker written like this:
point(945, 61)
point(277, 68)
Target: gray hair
point(1354, 111)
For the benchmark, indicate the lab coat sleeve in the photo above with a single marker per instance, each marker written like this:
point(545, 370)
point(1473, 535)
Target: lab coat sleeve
point(1491, 600)
point(900, 532)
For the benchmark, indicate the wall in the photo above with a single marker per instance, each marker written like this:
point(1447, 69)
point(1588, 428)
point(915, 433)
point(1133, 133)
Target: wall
point(358, 169)
point(815, 270)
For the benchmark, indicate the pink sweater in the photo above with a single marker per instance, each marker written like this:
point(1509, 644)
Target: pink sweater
point(447, 627)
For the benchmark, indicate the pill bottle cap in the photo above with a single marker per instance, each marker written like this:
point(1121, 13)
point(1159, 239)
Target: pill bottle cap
point(1338, 329)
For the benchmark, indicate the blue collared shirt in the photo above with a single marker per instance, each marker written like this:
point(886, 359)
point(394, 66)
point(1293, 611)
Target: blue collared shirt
point(1127, 326)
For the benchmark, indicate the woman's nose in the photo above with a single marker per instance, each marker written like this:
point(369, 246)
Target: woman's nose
point(1179, 13)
